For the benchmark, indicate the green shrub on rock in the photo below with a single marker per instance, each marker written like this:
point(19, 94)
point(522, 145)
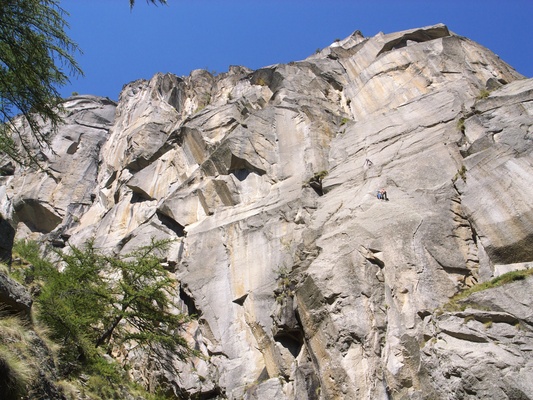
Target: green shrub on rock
point(95, 303)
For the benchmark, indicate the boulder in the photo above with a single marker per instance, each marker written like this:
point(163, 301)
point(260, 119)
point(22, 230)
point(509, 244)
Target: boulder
point(14, 298)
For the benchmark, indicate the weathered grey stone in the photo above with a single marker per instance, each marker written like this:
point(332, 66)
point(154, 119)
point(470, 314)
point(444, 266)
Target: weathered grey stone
point(308, 286)
point(484, 354)
point(505, 164)
point(42, 203)
point(14, 298)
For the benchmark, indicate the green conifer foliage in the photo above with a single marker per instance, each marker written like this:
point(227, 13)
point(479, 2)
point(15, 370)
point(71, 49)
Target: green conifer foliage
point(36, 58)
point(96, 303)
point(132, 2)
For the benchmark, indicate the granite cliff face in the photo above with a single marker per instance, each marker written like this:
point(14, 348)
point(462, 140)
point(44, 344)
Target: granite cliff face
point(306, 285)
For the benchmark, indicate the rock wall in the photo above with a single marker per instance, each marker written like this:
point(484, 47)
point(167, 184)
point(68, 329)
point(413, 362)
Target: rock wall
point(307, 286)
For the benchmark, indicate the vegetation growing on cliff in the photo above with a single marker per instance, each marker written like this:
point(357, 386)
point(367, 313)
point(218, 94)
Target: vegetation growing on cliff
point(455, 304)
point(97, 304)
point(15, 363)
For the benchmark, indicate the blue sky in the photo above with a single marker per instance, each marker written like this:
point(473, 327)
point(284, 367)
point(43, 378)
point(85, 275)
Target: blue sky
point(120, 45)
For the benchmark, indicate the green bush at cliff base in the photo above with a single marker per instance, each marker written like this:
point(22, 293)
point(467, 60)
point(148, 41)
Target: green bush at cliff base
point(95, 303)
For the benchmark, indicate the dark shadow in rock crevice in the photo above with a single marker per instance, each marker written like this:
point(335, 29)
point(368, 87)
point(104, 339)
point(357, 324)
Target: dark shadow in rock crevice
point(292, 341)
point(7, 236)
point(419, 35)
point(241, 168)
point(189, 303)
point(171, 224)
point(36, 216)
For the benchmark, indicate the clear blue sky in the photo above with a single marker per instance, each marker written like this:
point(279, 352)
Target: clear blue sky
point(120, 45)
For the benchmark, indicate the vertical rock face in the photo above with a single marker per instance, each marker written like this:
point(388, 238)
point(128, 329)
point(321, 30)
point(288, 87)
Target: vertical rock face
point(49, 203)
point(306, 285)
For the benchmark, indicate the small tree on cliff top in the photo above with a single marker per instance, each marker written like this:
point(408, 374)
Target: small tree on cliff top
point(99, 302)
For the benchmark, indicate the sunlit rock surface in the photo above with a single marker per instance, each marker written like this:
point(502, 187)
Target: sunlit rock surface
point(307, 286)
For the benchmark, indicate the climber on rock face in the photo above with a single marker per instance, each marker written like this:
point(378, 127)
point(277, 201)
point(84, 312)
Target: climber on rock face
point(382, 194)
